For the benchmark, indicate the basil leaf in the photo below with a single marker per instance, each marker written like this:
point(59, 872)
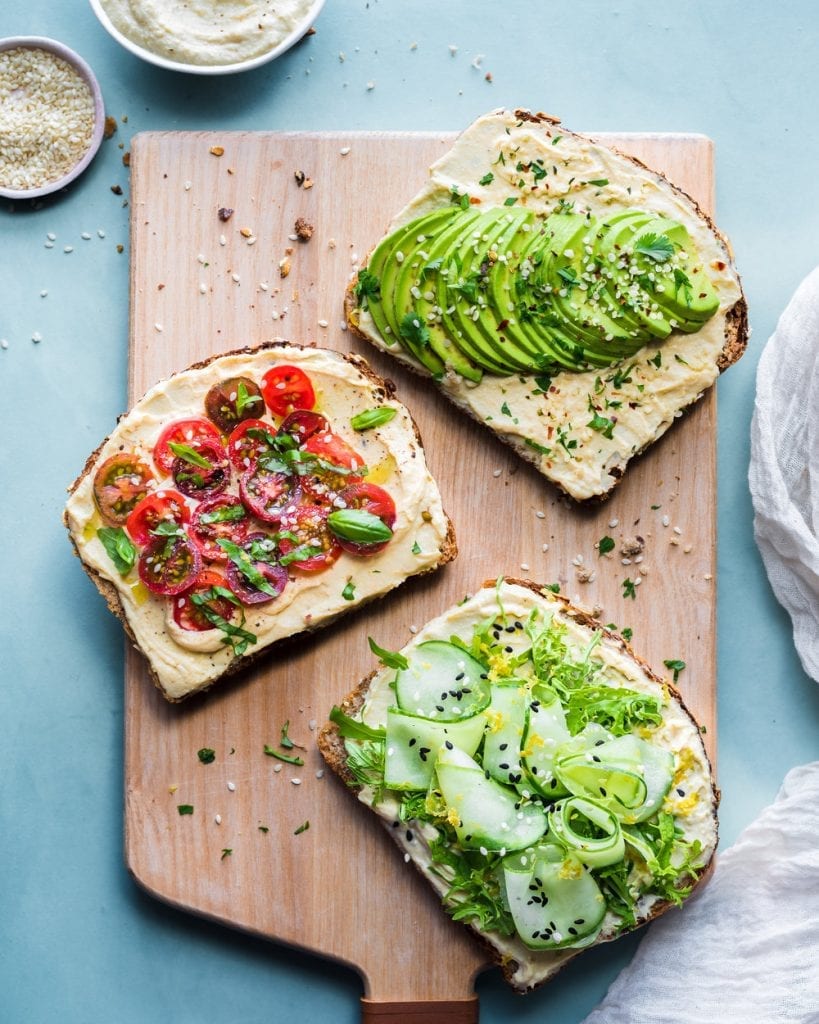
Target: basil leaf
point(246, 566)
point(300, 554)
point(225, 514)
point(605, 544)
point(244, 399)
point(119, 548)
point(348, 593)
point(373, 418)
point(235, 636)
point(188, 454)
point(359, 526)
point(392, 659)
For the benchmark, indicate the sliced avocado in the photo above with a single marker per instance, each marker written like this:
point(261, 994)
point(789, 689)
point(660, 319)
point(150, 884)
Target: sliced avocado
point(416, 290)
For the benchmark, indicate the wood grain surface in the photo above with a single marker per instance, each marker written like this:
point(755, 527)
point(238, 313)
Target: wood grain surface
point(200, 286)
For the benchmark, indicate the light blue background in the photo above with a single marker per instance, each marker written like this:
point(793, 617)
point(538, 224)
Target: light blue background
point(79, 942)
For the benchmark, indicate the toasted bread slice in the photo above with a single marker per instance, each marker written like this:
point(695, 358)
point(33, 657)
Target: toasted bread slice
point(559, 740)
point(485, 315)
point(186, 544)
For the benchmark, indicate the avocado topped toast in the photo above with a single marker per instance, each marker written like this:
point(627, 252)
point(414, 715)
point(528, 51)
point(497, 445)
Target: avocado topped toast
point(563, 294)
point(552, 789)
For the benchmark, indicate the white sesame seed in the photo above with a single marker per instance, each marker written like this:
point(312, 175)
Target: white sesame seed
point(370, 86)
point(100, 233)
point(497, 472)
point(203, 288)
point(218, 819)
point(407, 858)
point(68, 248)
point(413, 630)
point(665, 521)
point(320, 773)
point(540, 515)
point(85, 236)
point(4, 343)
point(524, 566)
point(222, 240)
point(277, 768)
point(452, 50)
point(613, 524)
point(235, 277)
point(678, 531)
point(201, 259)
point(51, 236)
point(344, 150)
point(188, 186)
point(49, 245)
point(158, 328)
point(43, 293)
point(296, 782)
point(36, 337)
point(232, 787)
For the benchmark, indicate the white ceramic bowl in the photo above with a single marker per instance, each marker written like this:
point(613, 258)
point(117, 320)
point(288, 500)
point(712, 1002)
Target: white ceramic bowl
point(85, 72)
point(209, 69)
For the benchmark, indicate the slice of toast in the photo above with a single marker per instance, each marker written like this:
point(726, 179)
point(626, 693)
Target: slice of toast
point(572, 712)
point(579, 409)
point(311, 572)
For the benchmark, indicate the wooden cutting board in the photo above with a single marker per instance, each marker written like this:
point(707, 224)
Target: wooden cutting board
point(201, 285)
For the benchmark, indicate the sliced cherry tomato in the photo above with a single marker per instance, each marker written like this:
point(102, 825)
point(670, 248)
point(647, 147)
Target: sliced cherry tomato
point(310, 537)
point(160, 506)
point(248, 441)
point(119, 484)
point(233, 400)
point(188, 615)
point(377, 502)
point(268, 494)
point(221, 516)
point(286, 388)
point(302, 424)
point(182, 432)
point(203, 469)
point(266, 569)
point(169, 565)
point(332, 448)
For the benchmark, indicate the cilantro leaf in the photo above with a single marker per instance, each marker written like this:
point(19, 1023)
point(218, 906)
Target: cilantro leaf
point(367, 287)
point(659, 248)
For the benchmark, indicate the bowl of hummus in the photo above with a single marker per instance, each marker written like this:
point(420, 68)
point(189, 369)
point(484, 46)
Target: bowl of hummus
point(207, 37)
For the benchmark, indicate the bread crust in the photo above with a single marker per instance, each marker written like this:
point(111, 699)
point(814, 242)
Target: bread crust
point(110, 594)
point(736, 333)
point(332, 747)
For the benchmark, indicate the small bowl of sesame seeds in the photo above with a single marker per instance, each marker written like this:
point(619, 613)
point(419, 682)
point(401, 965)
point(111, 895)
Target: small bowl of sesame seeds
point(51, 116)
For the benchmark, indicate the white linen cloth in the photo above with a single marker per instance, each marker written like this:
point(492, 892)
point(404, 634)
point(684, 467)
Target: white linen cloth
point(745, 950)
point(784, 470)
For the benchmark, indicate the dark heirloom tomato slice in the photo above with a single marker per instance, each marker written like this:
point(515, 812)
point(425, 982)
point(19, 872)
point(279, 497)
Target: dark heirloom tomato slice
point(233, 400)
point(119, 484)
point(161, 506)
point(203, 469)
point(188, 615)
point(286, 388)
point(222, 515)
point(308, 529)
point(169, 565)
point(377, 502)
point(248, 441)
point(267, 494)
point(182, 432)
point(321, 482)
point(302, 424)
point(273, 574)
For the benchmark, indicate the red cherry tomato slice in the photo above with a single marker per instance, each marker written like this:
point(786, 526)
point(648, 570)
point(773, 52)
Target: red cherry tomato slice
point(308, 530)
point(119, 484)
point(248, 441)
point(274, 575)
point(268, 494)
point(302, 424)
point(233, 400)
point(331, 448)
point(286, 388)
point(190, 616)
point(169, 565)
point(377, 502)
point(182, 432)
point(221, 516)
point(160, 506)
point(202, 470)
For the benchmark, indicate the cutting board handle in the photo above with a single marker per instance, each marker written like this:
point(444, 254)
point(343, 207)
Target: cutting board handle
point(421, 1011)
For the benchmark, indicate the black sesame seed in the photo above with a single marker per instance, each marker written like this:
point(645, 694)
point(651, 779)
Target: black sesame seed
point(580, 920)
point(422, 753)
point(518, 625)
point(503, 746)
point(603, 792)
point(504, 766)
point(596, 758)
point(448, 744)
point(486, 773)
point(571, 930)
point(438, 708)
point(510, 629)
point(508, 649)
point(413, 741)
point(459, 677)
point(681, 792)
point(409, 835)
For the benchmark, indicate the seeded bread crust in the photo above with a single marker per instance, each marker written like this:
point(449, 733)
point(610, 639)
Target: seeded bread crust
point(736, 319)
point(449, 548)
point(332, 747)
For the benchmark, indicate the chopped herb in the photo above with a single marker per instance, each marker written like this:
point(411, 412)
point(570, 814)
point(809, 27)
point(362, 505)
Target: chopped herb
point(554, 587)
point(510, 200)
point(604, 545)
point(284, 739)
point(184, 809)
point(287, 758)
point(629, 589)
point(237, 638)
point(676, 666)
point(680, 359)
point(366, 287)
point(598, 182)
point(190, 455)
point(657, 359)
point(226, 852)
point(487, 179)
point(206, 755)
point(602, 425)
point(264, 828)
point(682, 281)
point(539, 448)
point(416, 548)
point(658, 248)
point(392, 659)
point(302, 828)
point(505, 409)
point(119, 548)
point(627, 633)
point(348, 593)
point(352, 729)
point(568, 276)
point(373, 418)
point(556, 139)
point(413, 331)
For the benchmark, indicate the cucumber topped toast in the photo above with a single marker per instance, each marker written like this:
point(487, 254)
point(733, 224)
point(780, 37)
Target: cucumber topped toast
point(554, 790)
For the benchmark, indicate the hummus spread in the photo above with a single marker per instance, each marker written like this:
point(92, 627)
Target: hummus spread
point(207, 32)
point(184, 661)
point(491, 163)
point(678, 733)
